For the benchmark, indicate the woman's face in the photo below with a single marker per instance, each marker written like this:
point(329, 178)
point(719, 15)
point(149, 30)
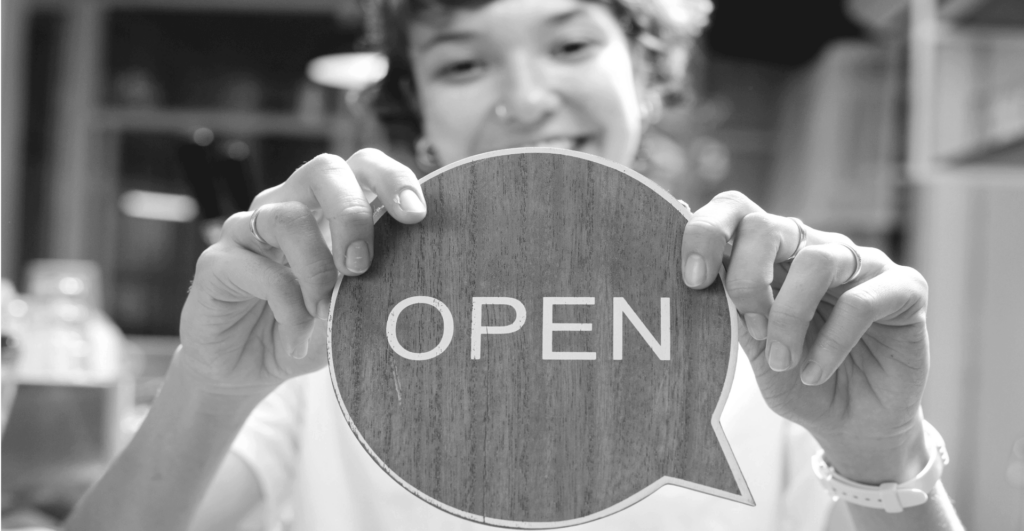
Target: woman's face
point(515, 73)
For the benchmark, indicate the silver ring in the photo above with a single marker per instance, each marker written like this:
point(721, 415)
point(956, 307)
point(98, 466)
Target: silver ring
point(801, 239)
point(501, 111)
point(858, 263)
point(252, 228)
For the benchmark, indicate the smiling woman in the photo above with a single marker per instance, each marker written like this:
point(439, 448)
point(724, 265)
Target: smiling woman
point(548, 75)
point(472, 76)
point(247, 419)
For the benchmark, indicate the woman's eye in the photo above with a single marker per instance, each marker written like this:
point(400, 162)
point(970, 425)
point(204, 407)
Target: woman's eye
point(460, 70)
point(574, 49)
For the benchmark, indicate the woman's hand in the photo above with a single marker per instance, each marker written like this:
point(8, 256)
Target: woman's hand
point(256, 310)
point(245, 328)
point(845, 357)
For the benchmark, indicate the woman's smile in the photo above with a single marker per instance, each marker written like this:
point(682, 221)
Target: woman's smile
point(573, 142)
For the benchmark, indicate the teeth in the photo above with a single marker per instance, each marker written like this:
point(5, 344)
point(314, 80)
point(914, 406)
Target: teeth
point(562, 142)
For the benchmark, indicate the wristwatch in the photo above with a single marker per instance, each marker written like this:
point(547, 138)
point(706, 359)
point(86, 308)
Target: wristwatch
point(892, 497)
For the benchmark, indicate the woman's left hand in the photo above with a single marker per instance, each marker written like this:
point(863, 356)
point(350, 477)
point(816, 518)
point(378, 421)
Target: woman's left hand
point(844, 355)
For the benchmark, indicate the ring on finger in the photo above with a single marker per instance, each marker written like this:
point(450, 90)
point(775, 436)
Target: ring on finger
point(858, 263)
point(801, 239)
point(252, 228)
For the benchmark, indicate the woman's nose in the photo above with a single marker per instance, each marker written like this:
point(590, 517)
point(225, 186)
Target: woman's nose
point(528, 97)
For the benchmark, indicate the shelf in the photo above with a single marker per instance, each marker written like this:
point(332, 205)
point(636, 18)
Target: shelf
point(984, 12)
point(1010, 152)
point(239, 123)
point(975, 98)
point(999, 131)
point(269, 6)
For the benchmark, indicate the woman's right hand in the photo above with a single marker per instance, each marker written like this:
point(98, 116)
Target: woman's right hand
point(256, 310)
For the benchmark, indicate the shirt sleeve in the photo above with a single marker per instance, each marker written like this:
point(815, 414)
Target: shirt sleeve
point(269, 444)
point(807, 506)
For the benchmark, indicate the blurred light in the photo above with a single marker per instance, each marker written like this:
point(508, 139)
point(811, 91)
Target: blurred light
point(71, 286)
point(238, 150)
point(158, 206)
point(202, 136)
point(17, 308)
point(212, 229)
point(711, 158)
point(348, 71)
point(71, 313)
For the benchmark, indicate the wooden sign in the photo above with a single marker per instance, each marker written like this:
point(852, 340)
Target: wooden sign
point(529, 356)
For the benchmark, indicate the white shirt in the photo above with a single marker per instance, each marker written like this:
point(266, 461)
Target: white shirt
point(315, 475)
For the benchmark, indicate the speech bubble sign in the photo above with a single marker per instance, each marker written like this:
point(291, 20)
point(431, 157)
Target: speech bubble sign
point(528, 356)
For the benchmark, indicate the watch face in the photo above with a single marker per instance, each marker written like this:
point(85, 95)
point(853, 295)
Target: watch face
point(528, 355)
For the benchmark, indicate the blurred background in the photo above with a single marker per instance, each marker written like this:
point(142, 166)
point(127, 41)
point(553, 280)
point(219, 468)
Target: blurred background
point(132, 128)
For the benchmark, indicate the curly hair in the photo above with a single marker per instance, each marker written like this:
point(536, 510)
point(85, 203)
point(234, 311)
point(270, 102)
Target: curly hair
point(665, 30)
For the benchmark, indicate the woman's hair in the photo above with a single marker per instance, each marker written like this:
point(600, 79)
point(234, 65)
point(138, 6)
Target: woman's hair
point(665, 30)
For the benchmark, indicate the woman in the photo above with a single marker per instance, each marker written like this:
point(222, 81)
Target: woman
point(498, 74)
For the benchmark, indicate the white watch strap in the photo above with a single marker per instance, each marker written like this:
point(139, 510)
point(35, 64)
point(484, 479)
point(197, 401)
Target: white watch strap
point(891, 497)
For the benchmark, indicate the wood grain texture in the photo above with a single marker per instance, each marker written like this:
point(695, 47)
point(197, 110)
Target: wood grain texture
point(512, 437)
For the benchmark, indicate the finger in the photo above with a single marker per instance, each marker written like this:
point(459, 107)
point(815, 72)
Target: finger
point(707, 233)
point(292, 228)
point(894, 294)
point(393, 183)
point(814, 271)
point(235, 273)
point(809, 277)
point(758, 245)
point(327, 183)
point(339, 189)
point(317, 347)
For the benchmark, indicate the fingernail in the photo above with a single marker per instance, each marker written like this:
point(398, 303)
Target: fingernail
point(323, 309)
point(757, 325)
point(778, 356)
point(410, 202)
point(811, 374)
point(357, 257)
point(301, 350)
point(694, 272)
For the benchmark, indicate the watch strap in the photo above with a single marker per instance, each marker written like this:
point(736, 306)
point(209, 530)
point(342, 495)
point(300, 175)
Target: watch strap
point(891, 497)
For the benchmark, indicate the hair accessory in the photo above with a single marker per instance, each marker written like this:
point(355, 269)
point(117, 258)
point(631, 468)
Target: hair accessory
point(801, 239)
point(252, 228)
point(892, 497)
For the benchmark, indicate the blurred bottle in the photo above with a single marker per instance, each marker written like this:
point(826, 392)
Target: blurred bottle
point(8, 378)
point(12, 311)
point(73, 389)
point(65, 336)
